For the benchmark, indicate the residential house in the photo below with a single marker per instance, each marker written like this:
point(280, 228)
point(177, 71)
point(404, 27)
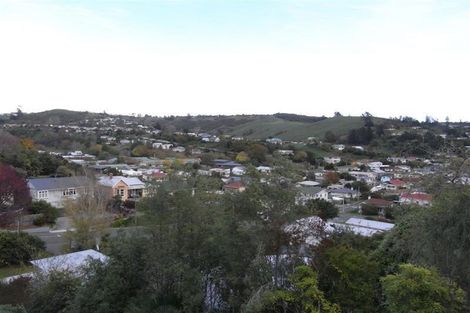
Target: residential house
point(360, 148)
point(306, 194)
point(58, 190)
point(380, 205)
point(179, 149)
point(338, 147)
point(125, 187)
point(285, 152)
point(332, 160)
point(156, 176)
point(398, 184)
point(264, 169)
point(239, 170)
point(419, 198)
point(366, 177)
point(342, 194)
point(237, 186)
point(274, 141)
point(162, 145)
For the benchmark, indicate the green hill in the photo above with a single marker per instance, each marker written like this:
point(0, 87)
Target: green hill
point(58, 116)
point(290, 130)
point(282, 125)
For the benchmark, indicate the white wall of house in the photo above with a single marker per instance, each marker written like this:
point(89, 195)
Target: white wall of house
point(57, 197)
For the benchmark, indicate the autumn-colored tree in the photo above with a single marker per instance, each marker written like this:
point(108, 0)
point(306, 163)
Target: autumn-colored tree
point(242, 157)
point(27, 143)
point(14, 193)
point(331, 178)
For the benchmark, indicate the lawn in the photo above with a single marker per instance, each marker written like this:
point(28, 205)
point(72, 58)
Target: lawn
point(14, 270)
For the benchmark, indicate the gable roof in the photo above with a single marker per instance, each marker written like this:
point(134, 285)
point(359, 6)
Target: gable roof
point(111, 181)
point(418, 196)
point(369, 224)
point(378, 202)
point(70, 261)
point(51, 183)
point(311, 191)
point(234, 185)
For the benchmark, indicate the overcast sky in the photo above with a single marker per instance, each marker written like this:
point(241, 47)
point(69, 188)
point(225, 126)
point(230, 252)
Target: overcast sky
point(315, 57)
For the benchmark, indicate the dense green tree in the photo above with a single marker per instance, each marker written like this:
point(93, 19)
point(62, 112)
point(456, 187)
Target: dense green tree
point(18, 248)
point(322, 208)
point(420, 290)
point(302, 296)
point(330, 137)
point(437, 236)
point(257, 152)
point(49, 213)
point(52, 292)
point(348, 277)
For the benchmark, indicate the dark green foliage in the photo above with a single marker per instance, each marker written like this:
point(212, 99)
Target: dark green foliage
point(12, 309)
point(18, 248)
point(49, 213)
point(15, 293)
point(360, 136)
point(299, 118)
point(257, 153)
point(348, 277)
point(322, 208)
point(330, 137)
point(435, 236)
point(52, 292)
point(369, 210)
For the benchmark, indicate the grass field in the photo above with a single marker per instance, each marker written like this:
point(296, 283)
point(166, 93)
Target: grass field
point(289, 130)
point(14, 270)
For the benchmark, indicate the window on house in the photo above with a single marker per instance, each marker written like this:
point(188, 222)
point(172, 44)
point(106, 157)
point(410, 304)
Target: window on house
point(42, 194)
point(70, 192)
point(121, 192)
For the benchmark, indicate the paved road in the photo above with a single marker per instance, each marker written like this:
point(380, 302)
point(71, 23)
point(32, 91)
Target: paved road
point(55, 241)
point(54, 238)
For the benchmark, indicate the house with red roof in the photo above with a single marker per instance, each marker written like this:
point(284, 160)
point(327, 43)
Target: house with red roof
point(237, 186)
point(419, 198)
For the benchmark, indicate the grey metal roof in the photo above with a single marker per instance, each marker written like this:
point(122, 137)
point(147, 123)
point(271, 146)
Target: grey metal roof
point(71, 261)
point(51, 183)
point(310, 190)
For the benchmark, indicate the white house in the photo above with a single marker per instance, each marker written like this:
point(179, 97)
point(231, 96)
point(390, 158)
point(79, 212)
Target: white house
point(179, 149)
point(239, 170)
point(332, 160)
point(274, 141)
point(338, 147)
point(162, 145)
point(57, 190)
point(264, 169)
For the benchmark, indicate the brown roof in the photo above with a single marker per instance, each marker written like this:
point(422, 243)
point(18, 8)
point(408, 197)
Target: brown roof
point(234, 185)
point(378, 202)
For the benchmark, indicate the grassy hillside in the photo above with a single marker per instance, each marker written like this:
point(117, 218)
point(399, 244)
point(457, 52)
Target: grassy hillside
point(289, 130)
point(284, 126)
point(58, 116)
